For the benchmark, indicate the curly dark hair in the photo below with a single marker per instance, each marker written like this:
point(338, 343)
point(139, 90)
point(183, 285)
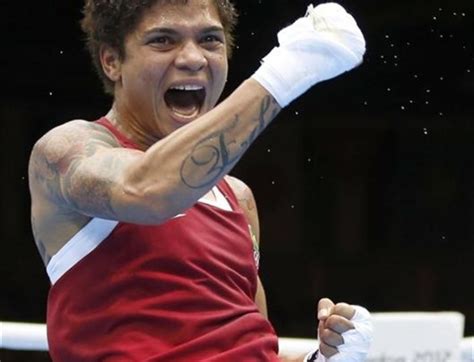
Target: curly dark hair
point(110, 21)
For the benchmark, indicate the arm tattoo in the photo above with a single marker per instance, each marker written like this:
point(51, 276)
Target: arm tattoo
point(63, 178)
point(208, 160)
point(248, 203)
point(262, 120)
point(83, 191)
point(212, 156)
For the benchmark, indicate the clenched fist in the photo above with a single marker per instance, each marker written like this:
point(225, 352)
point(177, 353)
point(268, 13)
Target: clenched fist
point(344, 332)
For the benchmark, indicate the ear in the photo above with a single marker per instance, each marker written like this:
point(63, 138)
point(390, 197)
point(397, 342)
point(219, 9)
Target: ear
point(111, 63)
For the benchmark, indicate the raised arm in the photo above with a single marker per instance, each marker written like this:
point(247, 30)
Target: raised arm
point(82, 168)
point(94, 178)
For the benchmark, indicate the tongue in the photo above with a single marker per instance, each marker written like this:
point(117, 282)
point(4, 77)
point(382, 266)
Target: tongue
point(184, 103)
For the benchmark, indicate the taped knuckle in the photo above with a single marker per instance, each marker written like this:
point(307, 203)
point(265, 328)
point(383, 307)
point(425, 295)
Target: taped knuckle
point(357, 341)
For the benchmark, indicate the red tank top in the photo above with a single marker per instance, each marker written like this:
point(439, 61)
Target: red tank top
point(180, 291)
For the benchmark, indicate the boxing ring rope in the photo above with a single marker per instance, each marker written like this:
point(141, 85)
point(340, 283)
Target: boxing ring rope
point(32, 337)
point(23, 336)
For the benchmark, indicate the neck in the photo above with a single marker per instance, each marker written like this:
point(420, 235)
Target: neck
point(131, 127)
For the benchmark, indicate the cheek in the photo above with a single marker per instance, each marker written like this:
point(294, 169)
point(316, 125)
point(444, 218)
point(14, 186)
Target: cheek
point(220, 70)
point(150, 75)
point(147, 79)
point(143, 76)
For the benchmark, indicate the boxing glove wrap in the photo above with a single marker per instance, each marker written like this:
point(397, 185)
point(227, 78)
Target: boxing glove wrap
point(319, 46)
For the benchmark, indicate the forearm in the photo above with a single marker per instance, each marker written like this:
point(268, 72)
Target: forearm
point(175, 172)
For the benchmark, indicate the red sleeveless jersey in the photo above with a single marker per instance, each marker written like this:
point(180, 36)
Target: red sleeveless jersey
point(180, 291)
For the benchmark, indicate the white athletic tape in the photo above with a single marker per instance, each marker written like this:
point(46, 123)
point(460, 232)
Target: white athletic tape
point(322, 45)
point(333, 20)
point(357, 341)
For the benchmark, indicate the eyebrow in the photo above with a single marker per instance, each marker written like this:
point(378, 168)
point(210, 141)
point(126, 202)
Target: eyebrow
point(170, 31)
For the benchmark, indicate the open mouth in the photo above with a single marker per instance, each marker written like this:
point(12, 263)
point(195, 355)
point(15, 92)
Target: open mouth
point(185, 101)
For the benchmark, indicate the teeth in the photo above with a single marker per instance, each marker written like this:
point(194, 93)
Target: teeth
point(187, 87)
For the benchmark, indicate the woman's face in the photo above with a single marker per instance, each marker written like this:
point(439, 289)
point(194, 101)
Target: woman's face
point(175, 67)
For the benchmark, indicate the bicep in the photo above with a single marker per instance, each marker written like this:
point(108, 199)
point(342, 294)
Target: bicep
point(80, 170)
point(95, 185)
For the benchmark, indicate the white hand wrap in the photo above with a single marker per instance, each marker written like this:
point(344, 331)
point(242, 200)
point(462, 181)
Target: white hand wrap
point(322, 45)
point(357, 341)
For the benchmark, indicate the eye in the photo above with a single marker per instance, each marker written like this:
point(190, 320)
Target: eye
point(212, 39)
point(212, 42)
point(160, 41)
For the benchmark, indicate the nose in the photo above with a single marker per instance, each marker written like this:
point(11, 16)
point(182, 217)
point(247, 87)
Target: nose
point(190, 57)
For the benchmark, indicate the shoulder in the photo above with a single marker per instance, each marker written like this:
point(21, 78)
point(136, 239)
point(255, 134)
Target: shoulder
point(61, 146)
point(243, 192)
point(68, 139)
point(71, 133)
point(71, 128)
point(246, 200)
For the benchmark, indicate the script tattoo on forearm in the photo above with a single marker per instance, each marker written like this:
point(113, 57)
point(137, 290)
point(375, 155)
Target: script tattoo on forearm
point(268, 106)
point(212, 156)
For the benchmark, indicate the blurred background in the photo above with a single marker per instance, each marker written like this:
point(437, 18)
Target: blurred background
point(364, 185)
